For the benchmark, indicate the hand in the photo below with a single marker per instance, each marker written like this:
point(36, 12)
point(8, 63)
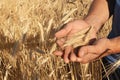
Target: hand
point(67, 31)
point(91, 52)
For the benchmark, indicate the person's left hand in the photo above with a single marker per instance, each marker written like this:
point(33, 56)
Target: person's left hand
point(92, 52)
point(65, 34)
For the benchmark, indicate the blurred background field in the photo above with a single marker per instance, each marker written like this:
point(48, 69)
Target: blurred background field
point(27, 41)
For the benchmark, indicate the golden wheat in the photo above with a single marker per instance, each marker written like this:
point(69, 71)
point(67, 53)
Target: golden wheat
point(27, 29)
point(80, 38)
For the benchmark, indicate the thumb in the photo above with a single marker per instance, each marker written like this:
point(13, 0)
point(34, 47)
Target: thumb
point(63, 32)
point(85, 50)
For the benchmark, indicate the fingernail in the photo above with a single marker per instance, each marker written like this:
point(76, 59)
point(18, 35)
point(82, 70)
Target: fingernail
point(58, 53)
point(67, 61)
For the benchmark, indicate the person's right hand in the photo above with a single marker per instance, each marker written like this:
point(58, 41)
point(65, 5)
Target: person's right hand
point(65, 34)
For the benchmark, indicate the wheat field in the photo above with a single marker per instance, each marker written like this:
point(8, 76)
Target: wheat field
point(27, 29)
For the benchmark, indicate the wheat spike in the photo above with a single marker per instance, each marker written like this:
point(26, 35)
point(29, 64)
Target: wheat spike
point(80, 38)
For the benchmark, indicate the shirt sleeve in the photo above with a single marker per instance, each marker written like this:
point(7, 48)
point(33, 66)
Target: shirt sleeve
point(111, 5)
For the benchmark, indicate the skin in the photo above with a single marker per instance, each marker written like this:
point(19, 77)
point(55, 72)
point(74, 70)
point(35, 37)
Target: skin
point(100, 48)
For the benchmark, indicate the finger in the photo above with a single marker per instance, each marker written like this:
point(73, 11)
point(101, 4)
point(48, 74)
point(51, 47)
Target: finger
point(58, 53)
point(61, 42)
point(63, 32)
point(88, 58)
point(67, 52)
point(73, 56)
point(86, 49)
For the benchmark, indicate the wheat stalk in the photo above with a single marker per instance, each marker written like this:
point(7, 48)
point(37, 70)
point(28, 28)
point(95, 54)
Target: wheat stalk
point(80, 38)
point(27, 29)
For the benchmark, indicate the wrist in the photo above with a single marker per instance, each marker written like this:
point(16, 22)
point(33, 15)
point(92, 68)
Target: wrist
point(92, 20)
point(114, 45)
point(110, 46)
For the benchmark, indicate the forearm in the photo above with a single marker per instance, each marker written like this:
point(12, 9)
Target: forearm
point(114, 45)
point(98, 14)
